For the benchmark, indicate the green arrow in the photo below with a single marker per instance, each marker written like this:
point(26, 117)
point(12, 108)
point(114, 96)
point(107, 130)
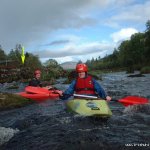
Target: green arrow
point(23, 56)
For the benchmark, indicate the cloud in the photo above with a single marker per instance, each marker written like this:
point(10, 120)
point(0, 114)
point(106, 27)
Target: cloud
point(58, 42)
point(83, 58)
point(30, 22)
point(69, 24)
point(134, 13)
point(123, 34)
point(66, 59)
point(74, 49)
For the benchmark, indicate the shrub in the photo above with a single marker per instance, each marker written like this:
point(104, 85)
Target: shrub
point(145, 69)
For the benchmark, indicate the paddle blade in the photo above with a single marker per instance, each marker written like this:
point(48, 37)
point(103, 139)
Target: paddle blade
point(133, 100)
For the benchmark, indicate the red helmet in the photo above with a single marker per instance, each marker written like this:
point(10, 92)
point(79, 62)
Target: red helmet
point(37, 72)
point(81, 68)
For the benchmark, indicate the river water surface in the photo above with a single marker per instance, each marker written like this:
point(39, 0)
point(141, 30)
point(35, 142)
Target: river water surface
point(47, 126)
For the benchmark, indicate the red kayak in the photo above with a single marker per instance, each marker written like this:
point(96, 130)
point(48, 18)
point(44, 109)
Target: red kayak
point(36, 97)
point(39, 94)
point(37, 90)
point(40, 97)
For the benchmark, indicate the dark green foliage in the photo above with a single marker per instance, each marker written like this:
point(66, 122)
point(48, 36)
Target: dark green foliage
point(145, 69)
point(71, 75)
point(2, 54)
point(14, 67)
point(51, 70)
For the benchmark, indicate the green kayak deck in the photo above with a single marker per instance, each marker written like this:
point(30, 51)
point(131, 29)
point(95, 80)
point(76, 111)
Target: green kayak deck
point(89, 107)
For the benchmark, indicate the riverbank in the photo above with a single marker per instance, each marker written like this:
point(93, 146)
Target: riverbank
point(11, 101)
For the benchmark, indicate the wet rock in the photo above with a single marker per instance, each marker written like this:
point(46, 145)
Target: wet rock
point(12, 87)
point(136, 75)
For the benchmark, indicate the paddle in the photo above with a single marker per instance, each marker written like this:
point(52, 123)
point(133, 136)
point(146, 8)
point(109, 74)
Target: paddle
point(126, 101)
point(132, 100)
point(85, 96)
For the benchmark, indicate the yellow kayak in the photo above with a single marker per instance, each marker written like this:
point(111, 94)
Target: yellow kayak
point(89, 107)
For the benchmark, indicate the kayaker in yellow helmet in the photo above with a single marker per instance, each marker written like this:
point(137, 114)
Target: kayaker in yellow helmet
point(84, 84)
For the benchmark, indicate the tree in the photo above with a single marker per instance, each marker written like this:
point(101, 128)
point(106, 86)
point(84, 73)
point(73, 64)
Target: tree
point(32, 63)
point(147, 43)
point(15, 54)
point(52, 69)
point(79, 62)
point(137, 43)
point(131, 54)
point(2, 54)
point(148, 26)
point(51, 63)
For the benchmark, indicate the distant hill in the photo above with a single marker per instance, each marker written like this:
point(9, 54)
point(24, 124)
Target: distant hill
point(68, 65)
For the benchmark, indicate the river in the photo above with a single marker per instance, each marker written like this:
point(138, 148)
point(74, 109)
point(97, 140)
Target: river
point(48, 126)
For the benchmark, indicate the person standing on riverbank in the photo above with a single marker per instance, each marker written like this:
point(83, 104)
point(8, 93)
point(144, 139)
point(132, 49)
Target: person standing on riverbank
point(84, 85)
point(36, 80)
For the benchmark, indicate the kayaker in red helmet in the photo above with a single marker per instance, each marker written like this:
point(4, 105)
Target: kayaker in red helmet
point(36, 80)
point(84, 85)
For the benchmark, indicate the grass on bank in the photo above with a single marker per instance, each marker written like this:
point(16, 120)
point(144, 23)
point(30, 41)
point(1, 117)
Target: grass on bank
point(145, 69)
point(10, 101)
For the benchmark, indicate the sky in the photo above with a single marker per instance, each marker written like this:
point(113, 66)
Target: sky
point(70, 30)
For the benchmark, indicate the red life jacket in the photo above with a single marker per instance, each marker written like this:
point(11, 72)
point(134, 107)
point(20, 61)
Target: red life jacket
point(85, 86)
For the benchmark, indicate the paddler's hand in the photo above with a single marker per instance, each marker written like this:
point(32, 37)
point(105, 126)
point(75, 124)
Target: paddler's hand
point(60, 93)
point(48, 87)
point(108, 98)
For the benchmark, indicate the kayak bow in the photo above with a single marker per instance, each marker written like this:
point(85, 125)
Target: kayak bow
point(39, 94)
point(83, 107)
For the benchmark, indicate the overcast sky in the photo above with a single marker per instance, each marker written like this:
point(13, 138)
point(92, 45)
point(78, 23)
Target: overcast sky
point(70, 30)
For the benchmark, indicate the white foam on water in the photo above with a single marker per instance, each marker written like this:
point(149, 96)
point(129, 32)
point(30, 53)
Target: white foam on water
point(137, 108)
point(65, 120)
point(6, 134)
